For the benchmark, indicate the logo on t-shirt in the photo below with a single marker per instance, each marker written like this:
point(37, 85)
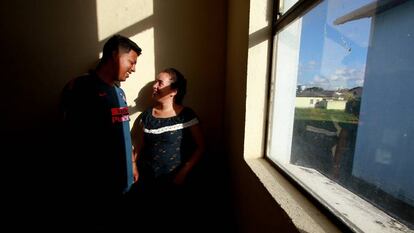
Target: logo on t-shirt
point(102, 94)
point(123, 97)
point(120, 114)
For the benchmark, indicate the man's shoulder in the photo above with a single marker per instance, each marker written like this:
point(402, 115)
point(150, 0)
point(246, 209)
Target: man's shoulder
point(80, 82)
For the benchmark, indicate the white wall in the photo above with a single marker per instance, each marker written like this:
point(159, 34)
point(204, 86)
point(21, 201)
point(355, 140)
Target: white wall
point(46, 43)
point(305, 102)
point(336, 104)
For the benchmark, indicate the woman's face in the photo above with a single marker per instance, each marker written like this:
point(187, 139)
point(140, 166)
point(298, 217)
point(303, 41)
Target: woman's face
point(161, 90)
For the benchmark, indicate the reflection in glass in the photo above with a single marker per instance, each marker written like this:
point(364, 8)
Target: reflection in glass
point(343, 100)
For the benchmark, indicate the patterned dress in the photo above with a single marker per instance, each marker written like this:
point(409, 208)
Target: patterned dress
point(167, 144)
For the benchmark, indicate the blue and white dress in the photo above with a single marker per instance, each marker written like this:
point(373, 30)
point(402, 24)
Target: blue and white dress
point(167, 144)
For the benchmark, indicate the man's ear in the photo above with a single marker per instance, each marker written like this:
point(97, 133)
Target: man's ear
point(115, 55)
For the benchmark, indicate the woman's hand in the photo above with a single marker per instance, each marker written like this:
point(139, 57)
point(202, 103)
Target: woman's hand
point(179, 178)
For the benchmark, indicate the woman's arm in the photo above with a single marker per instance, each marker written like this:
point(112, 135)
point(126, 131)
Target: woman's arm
point(195, 157)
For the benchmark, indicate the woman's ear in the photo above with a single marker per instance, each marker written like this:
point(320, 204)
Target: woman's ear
point(174, 92)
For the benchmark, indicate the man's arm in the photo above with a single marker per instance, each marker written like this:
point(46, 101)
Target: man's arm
point(137, 137)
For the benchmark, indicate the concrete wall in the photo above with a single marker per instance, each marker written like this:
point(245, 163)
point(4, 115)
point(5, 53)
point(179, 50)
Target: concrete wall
point(263, 199)
point(304, 102)
point(336, 104)
point(247, 62)
point(222, 53)
point(46, 43)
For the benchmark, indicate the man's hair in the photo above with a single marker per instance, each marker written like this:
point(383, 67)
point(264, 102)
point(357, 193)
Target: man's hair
point(118, 43)
point(178, 83)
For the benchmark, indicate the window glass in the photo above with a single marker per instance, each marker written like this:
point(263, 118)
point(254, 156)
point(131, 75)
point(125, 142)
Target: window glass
point(342, 104)
point(285, 5)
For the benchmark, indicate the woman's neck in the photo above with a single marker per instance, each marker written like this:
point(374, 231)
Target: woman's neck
point(165, 106)
point(166, 109)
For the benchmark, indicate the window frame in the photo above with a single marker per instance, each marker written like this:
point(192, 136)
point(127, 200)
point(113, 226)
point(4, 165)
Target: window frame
point(281, 21)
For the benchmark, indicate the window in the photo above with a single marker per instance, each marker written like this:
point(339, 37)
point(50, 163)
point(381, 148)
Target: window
point(286, 5)
point(353, 151)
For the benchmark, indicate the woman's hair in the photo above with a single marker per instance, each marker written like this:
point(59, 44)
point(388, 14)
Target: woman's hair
point(178, 83)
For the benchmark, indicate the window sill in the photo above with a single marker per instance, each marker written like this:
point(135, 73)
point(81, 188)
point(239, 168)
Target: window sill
point(306, 216)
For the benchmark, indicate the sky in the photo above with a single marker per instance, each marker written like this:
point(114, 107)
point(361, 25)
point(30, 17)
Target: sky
point(333, 56)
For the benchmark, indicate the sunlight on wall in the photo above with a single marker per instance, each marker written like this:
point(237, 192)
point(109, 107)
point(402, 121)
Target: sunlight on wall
point(260, 15)
point(131, 17)
point(115, 16)
point(256, 78)
point(145, 73)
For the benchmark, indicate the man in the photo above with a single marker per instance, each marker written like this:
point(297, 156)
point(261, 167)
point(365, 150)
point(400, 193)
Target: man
point(98, 145)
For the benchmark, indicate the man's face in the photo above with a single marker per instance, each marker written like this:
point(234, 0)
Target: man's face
point(125, 64)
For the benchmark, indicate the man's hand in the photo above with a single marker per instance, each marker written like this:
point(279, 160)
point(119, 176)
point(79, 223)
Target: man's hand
point(135, 172)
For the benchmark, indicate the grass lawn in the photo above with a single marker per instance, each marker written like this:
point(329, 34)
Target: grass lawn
point(318, 114)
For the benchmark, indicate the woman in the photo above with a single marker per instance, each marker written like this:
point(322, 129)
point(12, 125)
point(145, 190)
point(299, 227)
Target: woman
point(168, 143)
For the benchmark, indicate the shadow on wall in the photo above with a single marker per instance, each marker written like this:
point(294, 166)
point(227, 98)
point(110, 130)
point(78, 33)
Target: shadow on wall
point(44, 44)
point(50, 42)
point(143, 100)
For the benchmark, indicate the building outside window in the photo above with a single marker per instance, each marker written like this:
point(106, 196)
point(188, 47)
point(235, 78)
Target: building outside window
point(352, 150)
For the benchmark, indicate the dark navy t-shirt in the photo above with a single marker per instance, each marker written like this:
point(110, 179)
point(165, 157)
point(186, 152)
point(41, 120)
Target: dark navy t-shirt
point(98, 135)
